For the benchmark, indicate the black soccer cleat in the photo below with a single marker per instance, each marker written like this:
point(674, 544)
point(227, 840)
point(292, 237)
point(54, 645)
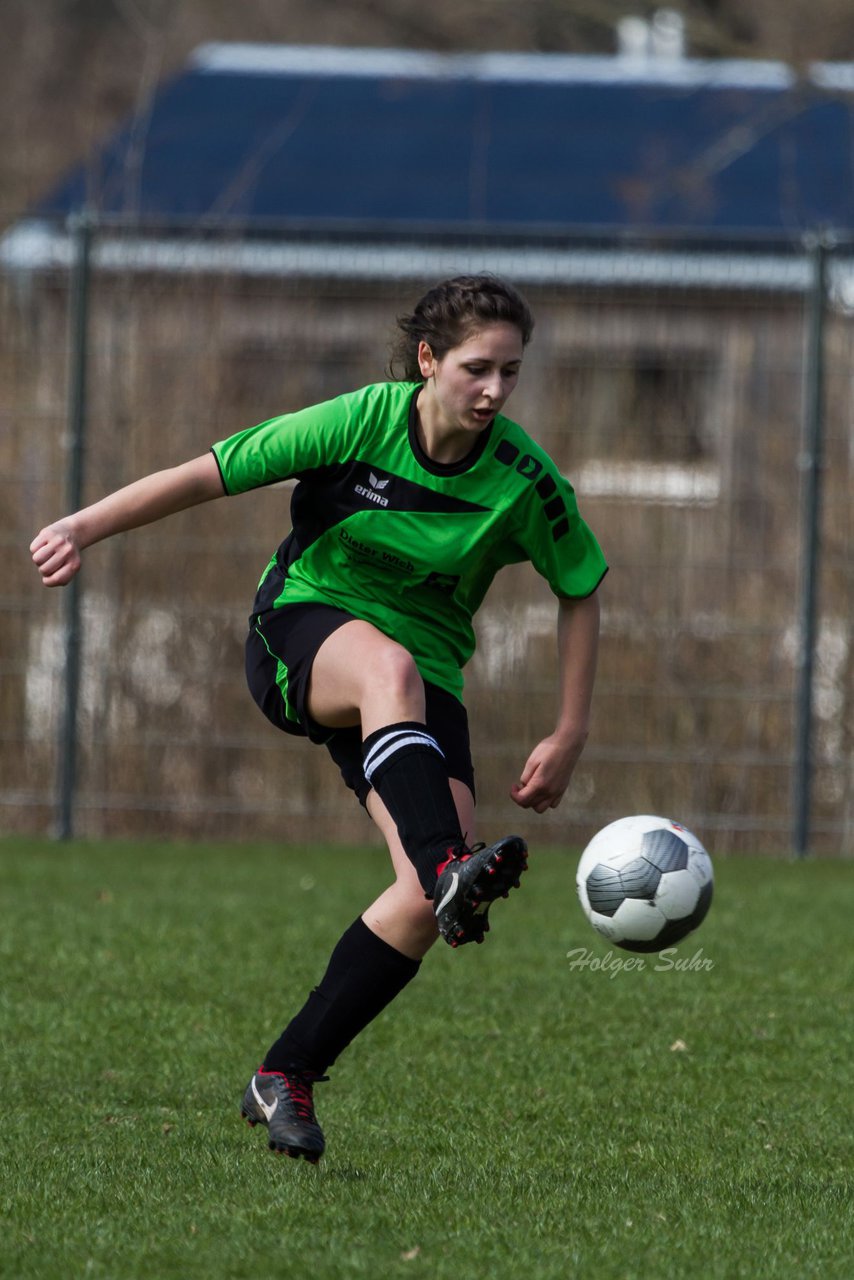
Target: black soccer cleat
point(284, 1103)
point(470, 880)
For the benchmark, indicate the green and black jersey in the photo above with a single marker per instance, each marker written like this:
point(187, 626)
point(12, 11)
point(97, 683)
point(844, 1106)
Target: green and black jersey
point(408, 544)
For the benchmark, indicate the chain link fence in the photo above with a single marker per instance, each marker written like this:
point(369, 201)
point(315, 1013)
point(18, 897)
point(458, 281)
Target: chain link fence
point(699, 397)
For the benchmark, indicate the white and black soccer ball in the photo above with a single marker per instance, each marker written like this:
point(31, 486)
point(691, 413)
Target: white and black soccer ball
point(644, 883)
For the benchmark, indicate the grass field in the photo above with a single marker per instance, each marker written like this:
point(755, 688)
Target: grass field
point(514, 1114)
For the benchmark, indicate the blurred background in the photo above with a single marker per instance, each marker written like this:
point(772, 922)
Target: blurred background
point(211, 214)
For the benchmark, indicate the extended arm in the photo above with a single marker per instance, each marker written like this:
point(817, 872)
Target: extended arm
point(549, 767)
point(56, 549)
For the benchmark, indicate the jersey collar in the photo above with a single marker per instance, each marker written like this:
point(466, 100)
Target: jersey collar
point(444, 468)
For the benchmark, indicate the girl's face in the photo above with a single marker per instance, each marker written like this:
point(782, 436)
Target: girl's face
point(468, 386)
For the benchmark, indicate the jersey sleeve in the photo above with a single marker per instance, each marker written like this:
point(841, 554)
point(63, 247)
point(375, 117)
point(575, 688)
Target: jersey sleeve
point(561, 546)
point(288, 445)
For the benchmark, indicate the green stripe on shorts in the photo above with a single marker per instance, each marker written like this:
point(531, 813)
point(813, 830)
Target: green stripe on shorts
point(281, 677)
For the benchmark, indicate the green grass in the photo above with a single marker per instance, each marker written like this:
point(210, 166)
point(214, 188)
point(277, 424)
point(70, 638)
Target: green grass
point(510, 1116)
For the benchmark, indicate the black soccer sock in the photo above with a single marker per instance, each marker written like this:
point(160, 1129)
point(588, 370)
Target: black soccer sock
point(406, 768)
point(363, 976)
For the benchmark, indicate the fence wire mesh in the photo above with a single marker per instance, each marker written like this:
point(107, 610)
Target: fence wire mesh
point(669, 384)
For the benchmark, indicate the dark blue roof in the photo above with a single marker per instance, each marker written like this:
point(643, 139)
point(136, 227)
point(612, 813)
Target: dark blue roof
point(499, 143)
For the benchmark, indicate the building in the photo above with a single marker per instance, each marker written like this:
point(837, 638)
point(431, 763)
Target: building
point(256, 227)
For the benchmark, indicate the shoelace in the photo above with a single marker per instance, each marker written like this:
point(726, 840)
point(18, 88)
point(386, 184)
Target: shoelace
point(459, 852)
point(462, 852)
point(301, 1096)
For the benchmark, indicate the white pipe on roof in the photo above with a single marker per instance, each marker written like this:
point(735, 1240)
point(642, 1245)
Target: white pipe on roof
point(329, 60)
point(35, 245)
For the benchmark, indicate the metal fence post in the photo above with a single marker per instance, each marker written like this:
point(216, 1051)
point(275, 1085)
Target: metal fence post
point(811, 463)
point(80, 229)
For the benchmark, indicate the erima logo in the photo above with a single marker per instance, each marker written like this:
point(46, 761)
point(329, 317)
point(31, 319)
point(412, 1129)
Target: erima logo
point(373, 494)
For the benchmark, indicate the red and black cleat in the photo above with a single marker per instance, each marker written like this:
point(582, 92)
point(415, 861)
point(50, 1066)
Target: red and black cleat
point(469, 882)
point(285, 1104)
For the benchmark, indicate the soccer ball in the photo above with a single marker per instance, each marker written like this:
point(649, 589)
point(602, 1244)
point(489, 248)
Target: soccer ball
point(645, 882)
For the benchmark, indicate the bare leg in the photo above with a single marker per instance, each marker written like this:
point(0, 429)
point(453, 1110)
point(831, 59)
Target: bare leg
point(361, 676)
point(401, 915)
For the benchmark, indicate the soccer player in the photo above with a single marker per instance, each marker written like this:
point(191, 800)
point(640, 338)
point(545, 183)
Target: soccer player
point(411, 495)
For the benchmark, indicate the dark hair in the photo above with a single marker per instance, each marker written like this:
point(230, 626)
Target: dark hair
point(451, 312)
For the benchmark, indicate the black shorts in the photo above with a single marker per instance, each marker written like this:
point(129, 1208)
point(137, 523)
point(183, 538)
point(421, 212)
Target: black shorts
point(280, 649)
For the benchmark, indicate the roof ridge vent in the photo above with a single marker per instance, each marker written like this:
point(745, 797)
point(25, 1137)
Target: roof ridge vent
point(661, 37)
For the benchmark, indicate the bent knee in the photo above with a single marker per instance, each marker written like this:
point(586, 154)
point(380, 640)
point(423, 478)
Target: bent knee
point(394, 667)
point(411, 903)
point(405, 919)
point(423, 925)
